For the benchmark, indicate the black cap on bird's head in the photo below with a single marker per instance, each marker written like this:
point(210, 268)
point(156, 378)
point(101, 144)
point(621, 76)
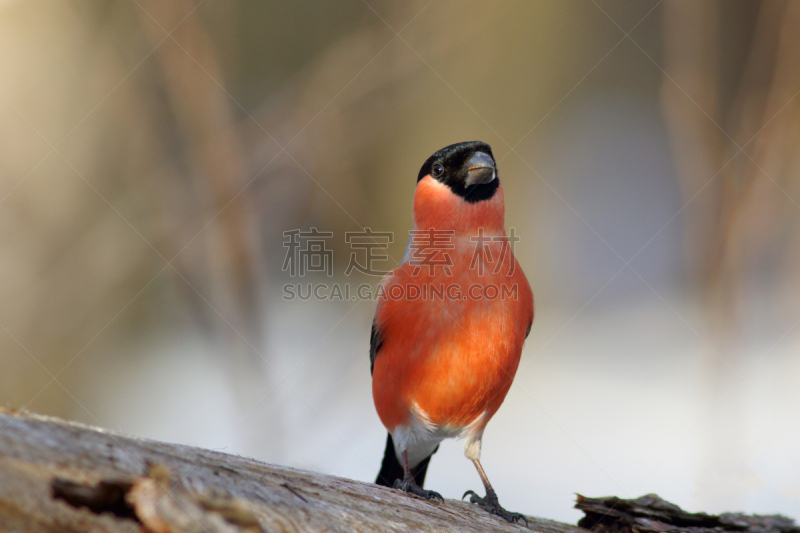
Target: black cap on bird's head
point(468, 168)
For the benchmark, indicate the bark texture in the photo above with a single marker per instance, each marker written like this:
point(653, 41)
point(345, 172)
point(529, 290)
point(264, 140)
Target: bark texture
point(67, 477)
point(651, 514)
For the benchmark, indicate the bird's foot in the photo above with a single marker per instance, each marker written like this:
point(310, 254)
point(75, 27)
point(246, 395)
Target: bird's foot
point(408, 485)
point(492, 506)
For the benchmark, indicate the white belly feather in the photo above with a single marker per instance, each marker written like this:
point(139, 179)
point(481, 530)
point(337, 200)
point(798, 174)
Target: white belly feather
point(422, 436)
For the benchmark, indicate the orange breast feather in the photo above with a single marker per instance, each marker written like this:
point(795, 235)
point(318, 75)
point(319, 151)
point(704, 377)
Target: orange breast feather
point(454, 358)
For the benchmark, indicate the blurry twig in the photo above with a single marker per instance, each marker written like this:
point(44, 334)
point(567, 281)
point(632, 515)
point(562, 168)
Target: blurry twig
point(216, 161)
point(737, 168)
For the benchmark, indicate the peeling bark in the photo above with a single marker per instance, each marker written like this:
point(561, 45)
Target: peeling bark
point(651, 514)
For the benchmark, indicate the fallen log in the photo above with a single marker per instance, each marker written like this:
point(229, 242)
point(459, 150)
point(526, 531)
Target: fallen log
point(67, 477)
point(58, 476)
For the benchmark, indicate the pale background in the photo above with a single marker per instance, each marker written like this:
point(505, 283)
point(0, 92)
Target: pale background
point(154, 152)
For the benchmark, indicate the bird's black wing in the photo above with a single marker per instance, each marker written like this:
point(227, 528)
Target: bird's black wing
point(375, 343)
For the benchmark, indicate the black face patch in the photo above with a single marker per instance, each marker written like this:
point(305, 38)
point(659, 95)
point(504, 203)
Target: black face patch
point(449, 166)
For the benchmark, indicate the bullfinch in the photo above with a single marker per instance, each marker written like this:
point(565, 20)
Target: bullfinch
point(450, 322)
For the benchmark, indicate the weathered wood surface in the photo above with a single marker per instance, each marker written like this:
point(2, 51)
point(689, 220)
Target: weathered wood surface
point(651, 514)
point(66, 477)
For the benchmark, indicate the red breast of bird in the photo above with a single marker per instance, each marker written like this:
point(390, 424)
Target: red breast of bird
point(452, 334)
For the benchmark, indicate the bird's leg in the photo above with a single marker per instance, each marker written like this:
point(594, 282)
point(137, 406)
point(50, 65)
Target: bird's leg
point(408, 484)
point(490, 501)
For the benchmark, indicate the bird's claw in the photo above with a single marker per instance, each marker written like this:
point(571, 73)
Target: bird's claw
point(410, 486)
point(492, 506)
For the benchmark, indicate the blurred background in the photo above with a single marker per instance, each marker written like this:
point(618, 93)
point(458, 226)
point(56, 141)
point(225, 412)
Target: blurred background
point(155, 152)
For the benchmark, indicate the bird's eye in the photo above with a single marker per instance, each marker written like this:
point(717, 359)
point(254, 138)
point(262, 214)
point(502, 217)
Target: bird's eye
point(438, 170)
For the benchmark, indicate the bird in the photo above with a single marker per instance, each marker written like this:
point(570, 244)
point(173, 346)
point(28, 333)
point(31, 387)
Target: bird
point(450, 322)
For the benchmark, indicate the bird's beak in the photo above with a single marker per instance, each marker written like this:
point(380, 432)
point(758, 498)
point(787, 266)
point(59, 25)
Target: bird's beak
point(480, 169)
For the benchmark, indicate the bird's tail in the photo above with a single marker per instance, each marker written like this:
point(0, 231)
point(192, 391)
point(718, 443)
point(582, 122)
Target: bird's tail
point(392, 470)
